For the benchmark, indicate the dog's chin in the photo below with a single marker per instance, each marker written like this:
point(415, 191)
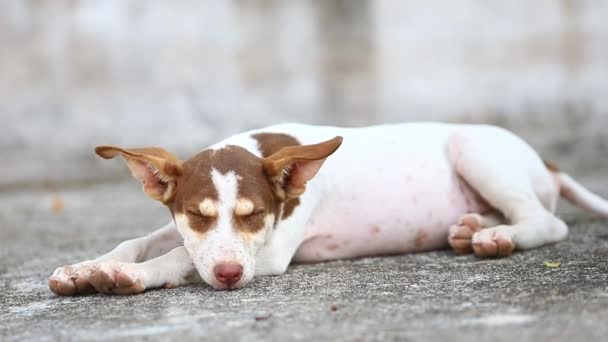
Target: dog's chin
point(220, 286)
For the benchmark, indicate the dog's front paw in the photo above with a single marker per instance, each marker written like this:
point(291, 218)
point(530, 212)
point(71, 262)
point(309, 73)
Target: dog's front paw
point(71, 280)
point(110, 277)
point(114, 277)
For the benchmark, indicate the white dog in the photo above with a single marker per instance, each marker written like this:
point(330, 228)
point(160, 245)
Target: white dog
point(255, 202)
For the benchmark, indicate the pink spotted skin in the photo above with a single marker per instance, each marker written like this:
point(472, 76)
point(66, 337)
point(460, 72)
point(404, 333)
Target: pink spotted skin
point(362, 216)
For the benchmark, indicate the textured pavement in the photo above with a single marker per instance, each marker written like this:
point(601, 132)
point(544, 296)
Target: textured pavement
point(427, 296)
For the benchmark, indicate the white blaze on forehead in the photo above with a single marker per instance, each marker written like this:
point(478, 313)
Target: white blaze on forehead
point(208, 207)
point(243, 207)
point(227, 191)
point(226, 186)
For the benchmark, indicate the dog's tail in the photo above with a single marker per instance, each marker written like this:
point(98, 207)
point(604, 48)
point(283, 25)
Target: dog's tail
point(577, 194)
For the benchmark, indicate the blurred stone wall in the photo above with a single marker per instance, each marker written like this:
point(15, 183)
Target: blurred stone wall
point(181, 74)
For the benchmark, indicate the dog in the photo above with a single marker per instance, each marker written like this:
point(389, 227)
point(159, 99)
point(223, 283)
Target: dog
point(258, 201)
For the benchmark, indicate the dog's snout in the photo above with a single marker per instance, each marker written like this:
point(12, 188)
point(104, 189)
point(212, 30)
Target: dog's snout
point(228, 273)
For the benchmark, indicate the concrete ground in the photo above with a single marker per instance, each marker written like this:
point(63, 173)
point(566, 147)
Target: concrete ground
point(427, 296)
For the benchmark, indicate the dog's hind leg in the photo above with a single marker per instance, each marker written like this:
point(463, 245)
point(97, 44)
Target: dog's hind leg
point(510, 176)
point(147, 247)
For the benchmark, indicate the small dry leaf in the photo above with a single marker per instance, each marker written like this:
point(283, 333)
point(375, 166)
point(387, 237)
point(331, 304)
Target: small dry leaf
point(552, 264)
point(333, 307)
point(262, 317)
point(58, 205)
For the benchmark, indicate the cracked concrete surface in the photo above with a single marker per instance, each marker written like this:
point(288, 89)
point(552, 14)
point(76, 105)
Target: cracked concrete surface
point(427, 296)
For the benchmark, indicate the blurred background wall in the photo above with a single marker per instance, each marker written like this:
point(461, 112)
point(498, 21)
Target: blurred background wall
point(182, 74)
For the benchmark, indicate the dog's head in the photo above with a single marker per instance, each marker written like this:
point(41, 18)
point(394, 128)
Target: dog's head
point(227, 201)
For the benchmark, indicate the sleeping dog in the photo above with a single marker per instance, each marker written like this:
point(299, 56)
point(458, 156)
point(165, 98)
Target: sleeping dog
point(257, 201)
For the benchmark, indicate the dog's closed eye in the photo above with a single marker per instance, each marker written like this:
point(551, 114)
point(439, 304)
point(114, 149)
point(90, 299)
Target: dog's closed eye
point(254, 218)
point(198, 215)
point(255, 213)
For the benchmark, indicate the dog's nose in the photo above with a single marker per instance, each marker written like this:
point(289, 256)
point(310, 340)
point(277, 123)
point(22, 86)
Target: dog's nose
point(228, 273)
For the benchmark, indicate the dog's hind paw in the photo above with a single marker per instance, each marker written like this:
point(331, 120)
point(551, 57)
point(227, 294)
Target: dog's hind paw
point(461, 235)
point(493, 242)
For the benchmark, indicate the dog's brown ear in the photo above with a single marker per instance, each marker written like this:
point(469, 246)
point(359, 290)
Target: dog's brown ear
point(157, 169)
point(292, 167)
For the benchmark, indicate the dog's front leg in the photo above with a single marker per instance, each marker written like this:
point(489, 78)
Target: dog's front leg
point(147, 247)
point(115, 277)
point(73, 279)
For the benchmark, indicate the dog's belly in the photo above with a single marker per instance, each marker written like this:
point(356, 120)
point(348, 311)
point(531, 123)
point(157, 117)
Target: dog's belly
point(407, 204)
point(411, 218)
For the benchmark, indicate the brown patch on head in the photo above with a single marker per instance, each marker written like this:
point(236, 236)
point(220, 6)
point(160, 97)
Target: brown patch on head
point(187, 187)
point(289, 207)
point(193, 188)
point(255, 197)
point(420, 238)
point(271, 143)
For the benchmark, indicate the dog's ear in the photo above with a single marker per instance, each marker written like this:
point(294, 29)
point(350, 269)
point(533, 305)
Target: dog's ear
point(157, 169)
point(291, 167)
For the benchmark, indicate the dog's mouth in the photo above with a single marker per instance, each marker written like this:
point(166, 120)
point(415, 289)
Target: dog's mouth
point(216, 285)
point(227, 287)
point(234, 278)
